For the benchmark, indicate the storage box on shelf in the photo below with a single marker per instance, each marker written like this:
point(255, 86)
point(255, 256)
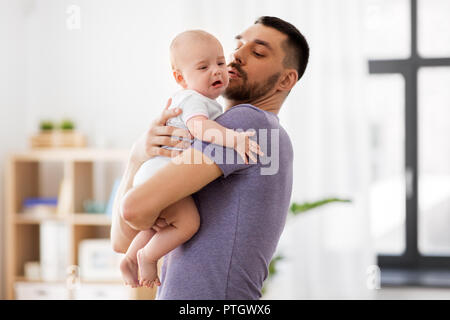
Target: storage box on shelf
point(25, 178)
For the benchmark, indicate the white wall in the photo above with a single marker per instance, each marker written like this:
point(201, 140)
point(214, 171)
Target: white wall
point(110, 76)
point(12, 95)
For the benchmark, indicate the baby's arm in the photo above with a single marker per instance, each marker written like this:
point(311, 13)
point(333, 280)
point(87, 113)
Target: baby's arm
point(210, 131)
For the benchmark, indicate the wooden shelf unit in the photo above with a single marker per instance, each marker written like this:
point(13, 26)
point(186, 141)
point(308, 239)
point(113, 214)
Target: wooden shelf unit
point(22, 230)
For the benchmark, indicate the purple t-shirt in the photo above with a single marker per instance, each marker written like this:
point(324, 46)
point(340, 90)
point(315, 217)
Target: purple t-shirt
point(242, 216)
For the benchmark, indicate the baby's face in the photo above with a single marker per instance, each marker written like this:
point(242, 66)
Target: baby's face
point(204, 68)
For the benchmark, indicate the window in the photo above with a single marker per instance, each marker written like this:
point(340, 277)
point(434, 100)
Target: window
point(387, 192)
point(408, 45)
point(434, 160)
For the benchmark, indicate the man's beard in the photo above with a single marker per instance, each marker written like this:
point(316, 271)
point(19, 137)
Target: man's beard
point(246, 92)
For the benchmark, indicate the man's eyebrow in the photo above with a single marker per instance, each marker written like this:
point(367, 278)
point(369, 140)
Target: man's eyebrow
point(263, 43)
point(257, 41)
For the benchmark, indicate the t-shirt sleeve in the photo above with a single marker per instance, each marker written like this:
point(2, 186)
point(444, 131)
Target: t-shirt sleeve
point(238, 118)
point(192, 106)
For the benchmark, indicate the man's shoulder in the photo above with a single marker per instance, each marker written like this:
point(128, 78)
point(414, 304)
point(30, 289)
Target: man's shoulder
point(247, 116)
point(245, 108)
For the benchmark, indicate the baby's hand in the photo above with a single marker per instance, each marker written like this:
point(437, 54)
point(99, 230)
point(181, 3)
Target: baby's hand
point(245, 146)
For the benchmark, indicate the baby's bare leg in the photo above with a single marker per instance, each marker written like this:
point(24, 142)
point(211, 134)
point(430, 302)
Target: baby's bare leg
point(129, 264)
point(183, 222)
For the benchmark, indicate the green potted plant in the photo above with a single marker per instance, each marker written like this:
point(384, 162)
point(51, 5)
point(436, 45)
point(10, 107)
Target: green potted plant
point(57, 135)
point(46, 126)
point(67, 125)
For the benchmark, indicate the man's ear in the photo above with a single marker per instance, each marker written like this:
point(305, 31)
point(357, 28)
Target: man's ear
point(179, 78)
point(288, 80)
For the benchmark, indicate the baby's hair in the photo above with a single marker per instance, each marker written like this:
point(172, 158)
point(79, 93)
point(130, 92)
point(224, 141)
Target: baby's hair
point(180, 39)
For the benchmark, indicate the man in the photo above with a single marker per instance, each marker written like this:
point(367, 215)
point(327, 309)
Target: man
point(242, 207)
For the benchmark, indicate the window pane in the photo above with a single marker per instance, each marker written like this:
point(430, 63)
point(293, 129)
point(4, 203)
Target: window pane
point(387, 25)
point(434, 161)
point(385, 99)
point(434, 28)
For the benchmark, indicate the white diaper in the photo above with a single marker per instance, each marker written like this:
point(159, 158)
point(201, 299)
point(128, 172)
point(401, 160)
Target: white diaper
point(149, 168)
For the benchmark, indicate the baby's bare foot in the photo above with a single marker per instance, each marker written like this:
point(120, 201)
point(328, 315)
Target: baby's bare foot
point(129, 269)
point(148, 270)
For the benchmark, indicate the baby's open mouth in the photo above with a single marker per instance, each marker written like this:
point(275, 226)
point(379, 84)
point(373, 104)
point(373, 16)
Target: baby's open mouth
point(217, 83)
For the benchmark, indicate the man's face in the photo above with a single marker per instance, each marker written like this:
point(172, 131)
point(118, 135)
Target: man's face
point(256, 64)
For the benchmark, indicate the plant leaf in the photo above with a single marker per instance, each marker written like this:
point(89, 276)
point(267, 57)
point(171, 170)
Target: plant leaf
point(297, 208)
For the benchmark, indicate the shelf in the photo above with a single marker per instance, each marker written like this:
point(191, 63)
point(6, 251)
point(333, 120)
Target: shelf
point(99, 219)
point(94, 219)
point(24, 279)
point(72, 154)
point(25, 218)
point(74, 175)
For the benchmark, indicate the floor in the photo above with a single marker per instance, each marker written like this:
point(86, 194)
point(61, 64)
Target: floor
point(412, 293)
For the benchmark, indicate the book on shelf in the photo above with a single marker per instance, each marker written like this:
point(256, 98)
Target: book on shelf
point(54, 250)
point(40, 206)
point(64, 197)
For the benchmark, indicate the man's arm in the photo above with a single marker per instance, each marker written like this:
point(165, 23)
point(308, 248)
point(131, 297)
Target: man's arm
point(185, 175)
point(121, 233)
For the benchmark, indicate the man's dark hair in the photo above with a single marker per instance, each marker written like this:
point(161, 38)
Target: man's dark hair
point(296, 47)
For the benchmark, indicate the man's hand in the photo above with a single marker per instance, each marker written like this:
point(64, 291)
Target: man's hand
point(150, 142)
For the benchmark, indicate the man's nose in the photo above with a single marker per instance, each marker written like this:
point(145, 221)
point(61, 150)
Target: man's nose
point(237, 56)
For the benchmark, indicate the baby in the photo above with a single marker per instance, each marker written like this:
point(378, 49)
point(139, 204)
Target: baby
point(199, 67)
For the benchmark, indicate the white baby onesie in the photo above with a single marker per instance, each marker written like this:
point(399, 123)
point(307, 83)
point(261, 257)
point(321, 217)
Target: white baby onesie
point(192, 104)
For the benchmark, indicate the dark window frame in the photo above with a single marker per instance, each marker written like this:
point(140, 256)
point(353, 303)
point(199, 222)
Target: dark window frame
point(412, 263)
